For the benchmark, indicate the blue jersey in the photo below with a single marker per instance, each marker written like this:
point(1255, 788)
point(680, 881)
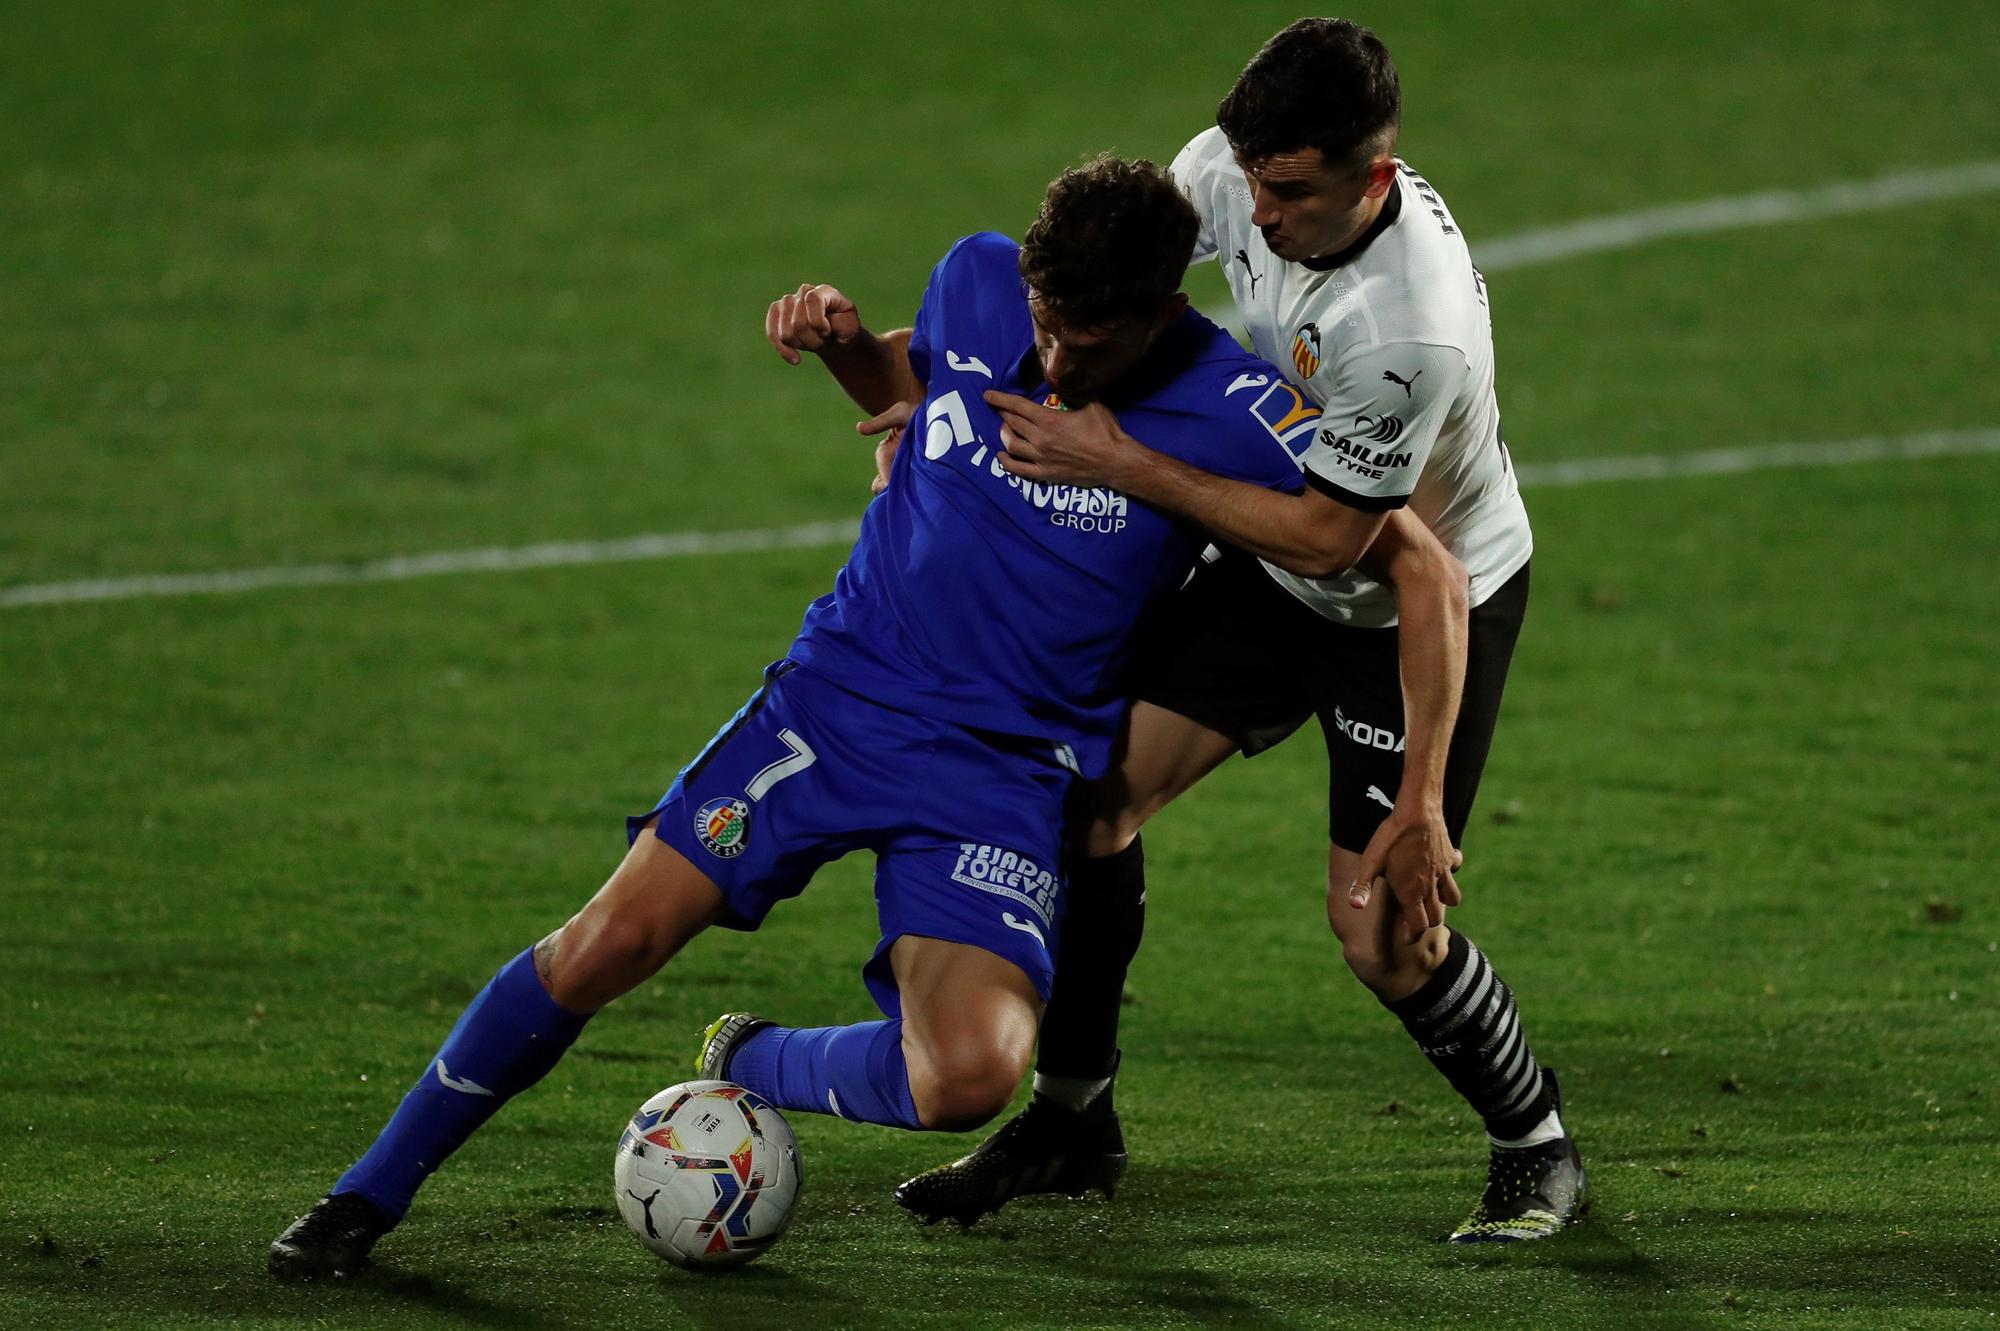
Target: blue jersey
point(1003, 605)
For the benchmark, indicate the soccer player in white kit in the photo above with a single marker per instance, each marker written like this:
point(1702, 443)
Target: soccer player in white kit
point(1350, 273)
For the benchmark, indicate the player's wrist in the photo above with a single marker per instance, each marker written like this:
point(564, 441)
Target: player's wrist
point(856, 345)
point(1132, 469)
point(1421, 798)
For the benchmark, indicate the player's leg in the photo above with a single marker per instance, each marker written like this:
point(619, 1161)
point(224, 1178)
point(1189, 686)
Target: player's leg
point(949, 1060)
point(967, 888)
point(1163, 755)
point(969, 1023)
point(534, 1008)
point(1212, 681)
point(1464, 1018)
point(1443, 989)
point(1474, 1039)
point(1448, 997)
point(1068, 1139)
point(505, 1041)
point(649, 909)
point(1213, 676)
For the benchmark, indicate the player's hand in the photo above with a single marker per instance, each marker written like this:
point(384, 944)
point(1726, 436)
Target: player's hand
point(1084, 446)
point(1412, 856)
point(890, 424)
point(810, 319)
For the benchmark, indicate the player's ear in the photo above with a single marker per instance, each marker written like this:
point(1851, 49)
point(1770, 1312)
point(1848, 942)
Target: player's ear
point(1381, 174)
point(1176, 305)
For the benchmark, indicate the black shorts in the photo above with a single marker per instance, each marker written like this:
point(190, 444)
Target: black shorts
point(1243, 656)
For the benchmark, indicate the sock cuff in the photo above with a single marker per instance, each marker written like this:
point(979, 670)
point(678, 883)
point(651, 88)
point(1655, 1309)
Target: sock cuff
point(1540, 1121)
point(754, 1060)
point(519, 988)
point(1132, 859)
point(1108, 883)
point(1457, 966)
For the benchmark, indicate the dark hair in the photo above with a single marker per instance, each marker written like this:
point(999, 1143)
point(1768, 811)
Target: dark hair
point(1112, 242)
point(1321, 83)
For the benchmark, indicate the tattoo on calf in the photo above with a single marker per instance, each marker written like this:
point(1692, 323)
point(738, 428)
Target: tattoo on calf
point(545, 958)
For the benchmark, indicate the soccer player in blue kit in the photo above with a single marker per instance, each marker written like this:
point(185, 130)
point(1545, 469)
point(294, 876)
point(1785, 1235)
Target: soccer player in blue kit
point(934, 709)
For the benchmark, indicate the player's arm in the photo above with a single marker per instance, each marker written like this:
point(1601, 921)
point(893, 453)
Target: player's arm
point(1412, 847)
point(872, 369)
point(1310, 534)
point(1378, 424)
point(1188, 176)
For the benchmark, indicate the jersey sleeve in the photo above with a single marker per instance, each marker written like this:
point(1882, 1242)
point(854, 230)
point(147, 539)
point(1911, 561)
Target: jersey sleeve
point(1188, 174)
point(923, 327)
point(1254, 429)
point(1380, 420)
point(977, 265)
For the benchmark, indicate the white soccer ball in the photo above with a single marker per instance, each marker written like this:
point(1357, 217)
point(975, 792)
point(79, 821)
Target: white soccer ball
point(707, 1174)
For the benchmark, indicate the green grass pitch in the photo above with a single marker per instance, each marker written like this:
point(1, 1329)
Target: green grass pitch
point(286, 283)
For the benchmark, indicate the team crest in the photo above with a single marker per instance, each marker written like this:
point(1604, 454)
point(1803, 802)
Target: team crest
point(1305, 351)
point(1055, 402)
point(723, 827)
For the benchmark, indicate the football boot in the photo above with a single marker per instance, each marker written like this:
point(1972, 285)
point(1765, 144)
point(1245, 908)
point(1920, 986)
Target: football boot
point(1047, 1147)
point(719, 1041)
point(1532, 1192)
point(331, 1240)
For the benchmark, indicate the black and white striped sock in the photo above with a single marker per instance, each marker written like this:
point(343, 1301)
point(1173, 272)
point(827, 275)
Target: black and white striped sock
point(1465, 1021)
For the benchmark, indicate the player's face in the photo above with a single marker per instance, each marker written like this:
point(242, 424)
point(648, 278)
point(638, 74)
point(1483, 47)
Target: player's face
point(1080, 363)
point(1306, 207)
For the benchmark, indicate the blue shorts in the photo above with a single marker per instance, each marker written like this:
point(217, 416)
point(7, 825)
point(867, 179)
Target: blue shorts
point(966, 826)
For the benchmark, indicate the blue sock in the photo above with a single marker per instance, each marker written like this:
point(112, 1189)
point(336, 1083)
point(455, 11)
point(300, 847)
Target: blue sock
point(505, 1042)
point(856, 1072)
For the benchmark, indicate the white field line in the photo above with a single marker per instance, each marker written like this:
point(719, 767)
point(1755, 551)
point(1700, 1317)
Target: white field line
point(492, 559)
point(1589, 236)
point(1624, 231)
point(673, 545)
point(1630, 230)
point(1760, 457)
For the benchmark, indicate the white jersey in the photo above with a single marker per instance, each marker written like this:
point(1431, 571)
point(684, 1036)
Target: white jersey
point(1393, 339)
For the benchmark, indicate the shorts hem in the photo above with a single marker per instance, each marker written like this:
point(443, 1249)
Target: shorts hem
point(880, 978)
point(743, 911)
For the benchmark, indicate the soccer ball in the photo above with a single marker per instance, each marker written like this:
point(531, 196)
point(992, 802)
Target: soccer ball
point(707, 1175)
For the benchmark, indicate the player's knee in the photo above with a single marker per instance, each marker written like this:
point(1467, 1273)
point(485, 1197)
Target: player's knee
point(965, 1084)
point(592, 961)
point(962, 1102)
point(1390, 966)
point(1371, 962)
point(1362, 943)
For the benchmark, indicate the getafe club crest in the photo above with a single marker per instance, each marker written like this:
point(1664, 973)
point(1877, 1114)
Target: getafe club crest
point(723, 827)
point(1305, 351)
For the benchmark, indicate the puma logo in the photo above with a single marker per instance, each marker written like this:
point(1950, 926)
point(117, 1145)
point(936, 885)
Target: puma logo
point(1395, 378)
point(647, 1202)
point(1375, 792)
point(1243, 257)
